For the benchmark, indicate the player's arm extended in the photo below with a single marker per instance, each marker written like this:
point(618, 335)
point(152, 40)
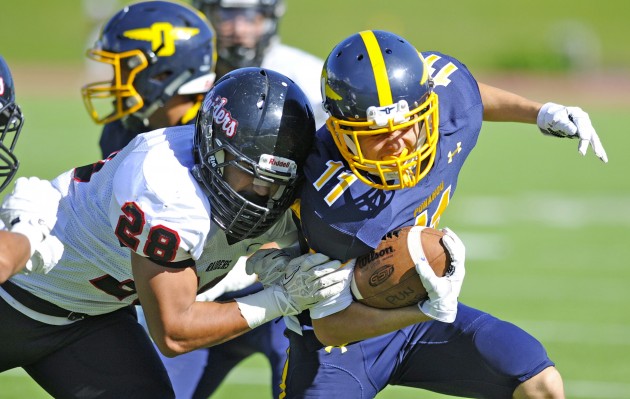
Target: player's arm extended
point(552, 119)
point(504, 106)
point(177, 322)
point(357, 322)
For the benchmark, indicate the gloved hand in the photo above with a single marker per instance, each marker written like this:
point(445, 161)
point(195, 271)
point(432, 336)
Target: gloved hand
point(312, 278)
point(309, 279)
point(31, 209)
point(572, 122)
point(443, 291)
point(270, 264)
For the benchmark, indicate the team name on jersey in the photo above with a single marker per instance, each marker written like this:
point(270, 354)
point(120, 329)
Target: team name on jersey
point(425, 204)
point(218, 265)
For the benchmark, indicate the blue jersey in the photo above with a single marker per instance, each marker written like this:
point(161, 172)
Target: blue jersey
point(346, 223)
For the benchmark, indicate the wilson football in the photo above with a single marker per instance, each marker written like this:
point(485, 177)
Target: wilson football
point(386, 278)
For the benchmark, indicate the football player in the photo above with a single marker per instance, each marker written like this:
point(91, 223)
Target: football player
point(162, 56)
point(401, 125)
point(11, 121)
point(157, 222)
point(247, 36)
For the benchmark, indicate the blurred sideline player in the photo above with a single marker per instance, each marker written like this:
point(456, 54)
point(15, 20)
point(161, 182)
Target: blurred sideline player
point(401, 124)
point(247, 35)
point(154, 83)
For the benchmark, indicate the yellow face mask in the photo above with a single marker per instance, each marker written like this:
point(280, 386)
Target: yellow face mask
point(396, 172)
point(107, 101)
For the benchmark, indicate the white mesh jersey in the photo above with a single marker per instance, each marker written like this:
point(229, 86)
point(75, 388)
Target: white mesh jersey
point(301, 67)
point(146, 197)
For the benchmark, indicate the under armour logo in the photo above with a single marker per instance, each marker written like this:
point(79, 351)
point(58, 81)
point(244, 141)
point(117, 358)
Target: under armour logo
point(162, 36)
point(452, 154)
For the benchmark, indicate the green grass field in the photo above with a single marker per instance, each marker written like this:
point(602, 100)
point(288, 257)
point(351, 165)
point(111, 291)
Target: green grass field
point(547, 231)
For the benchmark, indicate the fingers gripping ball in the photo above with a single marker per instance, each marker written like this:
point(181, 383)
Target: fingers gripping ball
point(387, 278)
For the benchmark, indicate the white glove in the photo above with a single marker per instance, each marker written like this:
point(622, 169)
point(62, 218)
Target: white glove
point(236, 279)
point(270, 264)
point(310, 278)
point(31, 209)
point(46, 255)
point(443, 291)
point(337, 302)
point(560, 121)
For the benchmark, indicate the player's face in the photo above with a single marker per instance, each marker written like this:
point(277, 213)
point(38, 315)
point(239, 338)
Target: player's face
point(246, 185)
point(381, 147)
point(240, 27)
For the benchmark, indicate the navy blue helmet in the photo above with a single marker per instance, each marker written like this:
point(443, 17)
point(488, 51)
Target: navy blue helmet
point(375, 82)
point(157, 49)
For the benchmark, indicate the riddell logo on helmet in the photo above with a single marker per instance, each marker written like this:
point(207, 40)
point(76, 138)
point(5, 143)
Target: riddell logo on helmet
point(1, 86)
point(277, 164)
point(223, 117)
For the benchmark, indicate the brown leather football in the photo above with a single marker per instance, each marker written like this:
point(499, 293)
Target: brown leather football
point(386, 278)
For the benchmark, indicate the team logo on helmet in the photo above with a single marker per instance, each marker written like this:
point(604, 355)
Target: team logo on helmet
point(162, 36)
point(223, 117)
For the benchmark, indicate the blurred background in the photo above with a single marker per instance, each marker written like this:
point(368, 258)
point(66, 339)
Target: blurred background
point(547, 230)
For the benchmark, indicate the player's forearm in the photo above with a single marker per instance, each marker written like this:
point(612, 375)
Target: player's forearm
point(358, 322)
point(503, 106)
point(205, 324)
point(15, 251)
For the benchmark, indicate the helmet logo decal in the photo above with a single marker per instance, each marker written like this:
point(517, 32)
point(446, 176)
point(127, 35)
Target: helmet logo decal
point(162, 36)
point(1, 86)
point(328, 91)
point(223, 117)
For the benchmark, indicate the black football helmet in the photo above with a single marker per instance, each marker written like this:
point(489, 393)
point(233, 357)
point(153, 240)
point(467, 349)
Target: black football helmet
point(11, 121)
point(375, 82)
point(239, 56)
point(157, 49)
point(260, 122)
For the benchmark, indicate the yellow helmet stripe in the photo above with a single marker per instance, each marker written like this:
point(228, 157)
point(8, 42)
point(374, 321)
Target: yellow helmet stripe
point(378, 67)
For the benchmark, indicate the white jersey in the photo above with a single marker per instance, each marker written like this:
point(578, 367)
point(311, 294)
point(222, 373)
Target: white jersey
point(144, 197)
point(301, 67)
